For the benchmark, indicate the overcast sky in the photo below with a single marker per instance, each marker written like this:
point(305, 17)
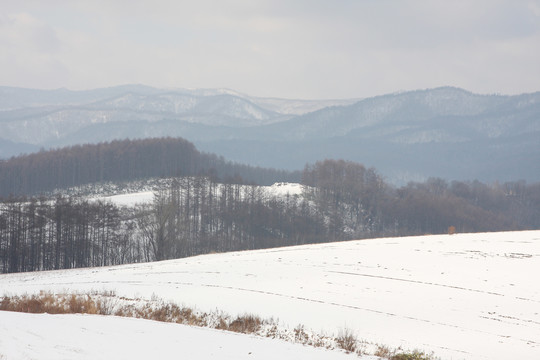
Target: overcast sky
point(280, 48)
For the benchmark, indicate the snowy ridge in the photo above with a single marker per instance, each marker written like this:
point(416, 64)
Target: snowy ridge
point(466, 296)
point(299, 107)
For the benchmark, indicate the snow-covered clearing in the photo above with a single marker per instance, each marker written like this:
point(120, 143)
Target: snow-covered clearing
point(144, 197)
point(132, 199)
point(465, 296)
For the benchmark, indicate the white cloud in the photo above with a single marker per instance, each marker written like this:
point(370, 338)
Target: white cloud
point(295, 48)
point(30, 51)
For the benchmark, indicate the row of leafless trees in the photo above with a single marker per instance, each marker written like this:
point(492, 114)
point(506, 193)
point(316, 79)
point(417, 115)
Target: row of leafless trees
point(196, 215)
point(358, 203)
point(44, 234)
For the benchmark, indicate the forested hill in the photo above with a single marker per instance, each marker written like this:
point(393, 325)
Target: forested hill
point(122, 160)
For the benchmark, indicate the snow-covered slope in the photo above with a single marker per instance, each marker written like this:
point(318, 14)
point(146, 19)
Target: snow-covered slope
point(466, 296)
point(280, 190)
point(91, 337)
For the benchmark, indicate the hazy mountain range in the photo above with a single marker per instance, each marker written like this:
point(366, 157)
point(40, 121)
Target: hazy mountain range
point(445, 132)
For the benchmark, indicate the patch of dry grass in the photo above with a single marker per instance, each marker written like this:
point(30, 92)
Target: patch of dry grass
point(384, 351)
point(56, 304)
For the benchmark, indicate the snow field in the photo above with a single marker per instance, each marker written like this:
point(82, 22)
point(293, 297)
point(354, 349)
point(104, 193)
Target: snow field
point(465, 296)
point(70, 337)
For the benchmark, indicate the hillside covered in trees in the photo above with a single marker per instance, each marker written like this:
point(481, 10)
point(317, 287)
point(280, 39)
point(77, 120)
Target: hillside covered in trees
point(120, 161)
point(196, 213)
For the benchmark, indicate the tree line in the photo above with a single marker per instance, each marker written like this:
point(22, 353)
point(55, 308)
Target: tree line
point(122, 160)
point(61, 233)
point(194, 215)
point(361, 204)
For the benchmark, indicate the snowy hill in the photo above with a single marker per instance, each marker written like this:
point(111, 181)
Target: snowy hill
point(76, 337)
point(64, 117)
point(437, 115)
point(444, 132)
point(465, 296)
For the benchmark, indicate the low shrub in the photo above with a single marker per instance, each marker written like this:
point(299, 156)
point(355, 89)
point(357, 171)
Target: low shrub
point(415, 355)
point(246, 324)
point(347, 340)
point(384, 351)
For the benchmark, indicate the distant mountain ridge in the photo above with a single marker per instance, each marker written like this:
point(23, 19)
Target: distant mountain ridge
point(393, 114)
point(447, 132)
